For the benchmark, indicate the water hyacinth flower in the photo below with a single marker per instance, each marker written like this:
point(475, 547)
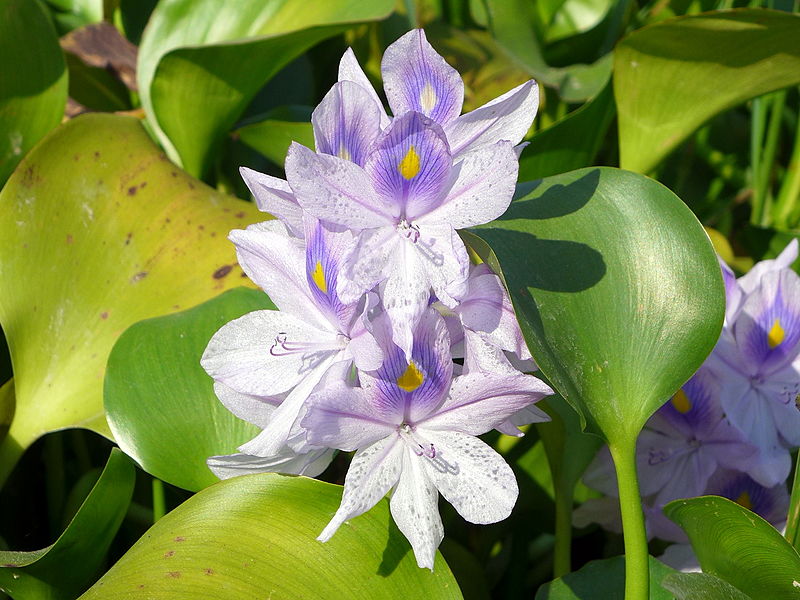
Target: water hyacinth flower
point(682, 445)
point(416, 78)
point(758, 361)
point(413, 427)
point(314, 335)
point(406, 203)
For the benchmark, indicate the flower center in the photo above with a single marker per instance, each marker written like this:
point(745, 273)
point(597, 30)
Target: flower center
point(418, 444)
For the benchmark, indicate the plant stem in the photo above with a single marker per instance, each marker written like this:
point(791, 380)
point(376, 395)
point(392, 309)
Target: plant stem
point(756, 138)
point(159, 505)
point(793, 518)
point(637, 568)
point(787, 209)
point(562, 553)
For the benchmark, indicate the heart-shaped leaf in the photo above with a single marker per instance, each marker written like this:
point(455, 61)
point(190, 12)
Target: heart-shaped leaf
point(99, 230)
point(616, 287)
point(33, 80)
point(673, 76)
point(202, 61)
point(254, 537)
point(159, 401)
point(738, 546)
point(602, 579)
point(66, 568)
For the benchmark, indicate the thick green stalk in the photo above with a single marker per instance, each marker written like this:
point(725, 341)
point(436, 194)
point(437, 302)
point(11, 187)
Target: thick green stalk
point(787, 205)
point(793, 518)
point(778, 101)
point(562, 552)
point(637, 567)
point(757, 216)
point(159, 504)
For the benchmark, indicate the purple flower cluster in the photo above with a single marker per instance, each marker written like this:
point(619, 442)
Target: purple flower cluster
point(730, 429)
point(377, 297)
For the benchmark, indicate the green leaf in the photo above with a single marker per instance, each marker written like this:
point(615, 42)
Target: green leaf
point(738, 546)
point(66, 568)
point(128, 236)
point(159, 401)
point(273, 135)
point(202, 61)
point(572, 142)
point(514, 32)
point(254, 537)
point(96, 88)
point(671, 77)
point(616, 287)
point(602, 579)
point(692, 586)
point(33, 80)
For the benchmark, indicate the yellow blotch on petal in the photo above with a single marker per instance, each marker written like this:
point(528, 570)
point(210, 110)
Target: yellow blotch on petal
point(427, 99)
point(681, 402)
point(409, 166)
point(318, 277)
point(411, 379)
point(744, 500)
point(775, 335)
point(343, 152)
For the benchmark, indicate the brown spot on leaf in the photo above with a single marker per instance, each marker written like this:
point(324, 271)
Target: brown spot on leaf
point(208, 571)
point(104, 315)
point(97, 154)
point(180, 538)
point(128, 238)
point(132, 190)
point(169, 553)
point(201, 227)
point(69, 238)
point(240, 214)
point(174, 574)
point(222, 271)
point(174, 173)
point(139, 276)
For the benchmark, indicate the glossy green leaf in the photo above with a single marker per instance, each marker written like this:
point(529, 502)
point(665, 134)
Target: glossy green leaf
point(697, 586)
point(738, 546)
point(71, 14)
point(603, 579)
point(99, 230)
point(66, 568)
point(254, 537)
point(616, 287)
point(671, 77)
point(273, 135)
point(572, 142)
point(33, 80)
point(159, 401)
point(202, 61)
point(575, 83)
point(95, 88)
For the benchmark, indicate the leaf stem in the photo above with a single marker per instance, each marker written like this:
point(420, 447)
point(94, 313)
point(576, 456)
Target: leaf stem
point(793, 518)
point(159, 504)
point(562, 553)
point(787, 205)
point(756, 139)
point(637, 568)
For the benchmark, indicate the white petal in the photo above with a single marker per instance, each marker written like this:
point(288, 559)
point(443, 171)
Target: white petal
point(445, 260)
point(507, 117)
point(483, 189)
point(405, 294)
point(350, 70)
point(372, 473)
point(274, 196)
point(253, 409)
point(368, 262)
point(239, 354)
point(277, 432)
point(277, 264)
point(415, 510)
point(286, 461)
point(471, 476)
point(333, 189)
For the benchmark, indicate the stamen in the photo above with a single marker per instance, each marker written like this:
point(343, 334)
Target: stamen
point(283, 347)
point(408, 231)
point(419, 445)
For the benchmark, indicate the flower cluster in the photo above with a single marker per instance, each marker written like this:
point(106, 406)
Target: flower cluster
point(377, 297)
point(730, 429)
